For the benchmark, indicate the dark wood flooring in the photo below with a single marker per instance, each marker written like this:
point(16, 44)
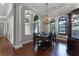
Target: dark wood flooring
point(59, 49)
point(6, 49)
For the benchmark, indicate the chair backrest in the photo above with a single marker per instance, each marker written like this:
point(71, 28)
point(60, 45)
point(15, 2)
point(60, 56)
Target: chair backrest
point(50, 36)
point(34, 36)
point(54, 36)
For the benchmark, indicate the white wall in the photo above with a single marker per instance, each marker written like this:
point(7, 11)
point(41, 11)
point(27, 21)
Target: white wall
point(10, 29)
point(3, 27)
point(17, 32)
point(19, 26)
point(24, 37)
point(10, 25)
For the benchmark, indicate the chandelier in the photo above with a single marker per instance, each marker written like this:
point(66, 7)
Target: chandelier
point(46, 18)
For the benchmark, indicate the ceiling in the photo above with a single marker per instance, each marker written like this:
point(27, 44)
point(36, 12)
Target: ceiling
point(54, 9)
point(4, 9)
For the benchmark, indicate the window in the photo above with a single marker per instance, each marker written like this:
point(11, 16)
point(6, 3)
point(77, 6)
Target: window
point(27, 29)
point(36, 27)
point(62, 25)
point(52, 26)
point(36, 24)
point(27, 23)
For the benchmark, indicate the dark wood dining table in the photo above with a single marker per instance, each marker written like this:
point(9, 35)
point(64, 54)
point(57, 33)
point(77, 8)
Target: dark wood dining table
point(44, 38)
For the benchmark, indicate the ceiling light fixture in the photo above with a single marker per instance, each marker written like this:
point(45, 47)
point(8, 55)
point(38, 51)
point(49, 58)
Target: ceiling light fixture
point(28, 14)
point(46, 18)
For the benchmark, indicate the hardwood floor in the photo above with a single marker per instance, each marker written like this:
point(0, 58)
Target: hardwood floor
point(6, 49)
point(59, 49)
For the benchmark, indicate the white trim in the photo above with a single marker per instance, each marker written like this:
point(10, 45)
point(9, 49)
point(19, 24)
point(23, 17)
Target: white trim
point(9, 10)
point(3, 17)
point(18, 46)
point(20, 21)
point(28, 41)
point(27, 8)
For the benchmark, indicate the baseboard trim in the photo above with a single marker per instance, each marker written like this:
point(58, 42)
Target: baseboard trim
point(28, 41)
point(18, 46)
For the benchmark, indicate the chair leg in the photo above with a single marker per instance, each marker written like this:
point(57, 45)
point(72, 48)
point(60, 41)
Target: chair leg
point(33, 45)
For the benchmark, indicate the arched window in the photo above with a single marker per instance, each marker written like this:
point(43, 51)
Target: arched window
point(36, 24)
point(27, 22)
point(62, 25)
point(52, 26)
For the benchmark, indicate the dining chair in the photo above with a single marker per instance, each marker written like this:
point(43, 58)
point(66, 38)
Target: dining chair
point(37, 40)
point(34, 39)
point(49, 38)
point(54, 37)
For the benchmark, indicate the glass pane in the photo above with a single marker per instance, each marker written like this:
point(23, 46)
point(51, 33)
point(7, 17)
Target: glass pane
point(75, 27)
point(36, 27)
point(62, 25)
point(52, 27)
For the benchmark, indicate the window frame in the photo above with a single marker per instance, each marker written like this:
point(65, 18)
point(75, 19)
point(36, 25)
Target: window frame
point(62, 27)
point(36, 22)
point(52, 21)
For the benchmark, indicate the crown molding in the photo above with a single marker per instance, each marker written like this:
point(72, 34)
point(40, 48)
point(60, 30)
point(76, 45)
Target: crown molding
point(9, 11)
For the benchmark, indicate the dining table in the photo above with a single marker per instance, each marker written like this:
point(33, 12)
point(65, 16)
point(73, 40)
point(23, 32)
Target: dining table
point(44, 38)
